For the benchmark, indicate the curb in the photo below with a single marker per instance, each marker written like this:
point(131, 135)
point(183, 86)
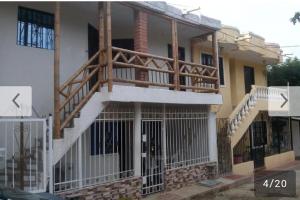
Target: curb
point(221, 188)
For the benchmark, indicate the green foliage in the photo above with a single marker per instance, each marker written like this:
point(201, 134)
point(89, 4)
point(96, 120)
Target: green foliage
point(296, 18)
point(287, 72)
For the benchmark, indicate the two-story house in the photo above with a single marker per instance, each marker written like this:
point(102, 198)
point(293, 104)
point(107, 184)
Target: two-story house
point(132, 112)
point(256, 140)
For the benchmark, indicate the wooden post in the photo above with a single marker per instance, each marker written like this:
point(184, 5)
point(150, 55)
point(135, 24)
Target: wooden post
point(101, 42)
point(193, 79)
point(56, 71)
point(216, 58)
point(175, 54)
point(108, 44)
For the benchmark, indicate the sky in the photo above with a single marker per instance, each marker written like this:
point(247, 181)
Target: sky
point(267, 18)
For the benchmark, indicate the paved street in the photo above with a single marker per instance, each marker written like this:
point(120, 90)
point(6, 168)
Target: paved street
point(246, 192)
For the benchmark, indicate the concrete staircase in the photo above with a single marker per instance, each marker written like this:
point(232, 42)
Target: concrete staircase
point(246, 111)
point(81, 123)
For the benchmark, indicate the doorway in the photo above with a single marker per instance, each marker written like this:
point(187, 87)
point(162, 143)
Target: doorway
point(152, 162)
point(249, 78)
point(181, 56)
point(93, 47)
point(258, 134)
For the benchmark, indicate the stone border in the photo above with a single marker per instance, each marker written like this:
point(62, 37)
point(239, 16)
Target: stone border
point(180, 177)
point(129, 188)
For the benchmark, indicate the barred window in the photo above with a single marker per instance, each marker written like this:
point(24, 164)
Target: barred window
point(35, 28)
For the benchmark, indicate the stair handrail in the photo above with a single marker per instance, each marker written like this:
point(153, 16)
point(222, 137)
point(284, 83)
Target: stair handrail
point(76, 90)
point(248, 101)
point(242, 103)
point(78, 71)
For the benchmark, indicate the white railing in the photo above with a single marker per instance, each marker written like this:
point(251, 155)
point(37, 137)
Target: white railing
point(249, 101)
point(102, 154)
point(23, 153)
point(186, 137)
point(171, 137)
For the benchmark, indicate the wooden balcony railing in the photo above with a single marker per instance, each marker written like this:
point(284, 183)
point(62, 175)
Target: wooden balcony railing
point(77, 90)
point(199, 78)
point(125, 66)
point(160, 72)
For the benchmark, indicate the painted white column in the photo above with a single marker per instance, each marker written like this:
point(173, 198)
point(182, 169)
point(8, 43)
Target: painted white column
point(212, 136)
point(51, 165)
point(137, 139)
point(164, 136)
point(80, 161)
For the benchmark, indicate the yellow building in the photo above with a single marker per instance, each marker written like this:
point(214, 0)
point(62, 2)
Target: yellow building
point(255, 140)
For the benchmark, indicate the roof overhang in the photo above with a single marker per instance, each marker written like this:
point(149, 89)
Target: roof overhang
point(166, 10)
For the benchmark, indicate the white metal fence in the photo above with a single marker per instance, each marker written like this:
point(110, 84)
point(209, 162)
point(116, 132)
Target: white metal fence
point(186, 136)
point(104, 153)
point(172, 136)
point(23, 153)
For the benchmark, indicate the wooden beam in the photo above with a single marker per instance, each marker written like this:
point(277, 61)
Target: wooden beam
point(175, 54)
point(216, 58)
point(57, 132)
point(108, 44)
point(101, 41)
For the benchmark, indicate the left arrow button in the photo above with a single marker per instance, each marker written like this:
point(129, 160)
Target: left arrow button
point(14, 100)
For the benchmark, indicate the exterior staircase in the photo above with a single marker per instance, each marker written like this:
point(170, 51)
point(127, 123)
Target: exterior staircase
point(246, 111)
point(80, 105)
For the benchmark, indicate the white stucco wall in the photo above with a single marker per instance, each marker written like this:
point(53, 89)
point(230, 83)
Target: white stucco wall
point(21, 65)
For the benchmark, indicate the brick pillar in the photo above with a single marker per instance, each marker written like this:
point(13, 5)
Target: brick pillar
point(141, 41)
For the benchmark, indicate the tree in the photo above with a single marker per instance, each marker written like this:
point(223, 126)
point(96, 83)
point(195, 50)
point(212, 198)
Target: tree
point(282, 74)
point(296, 18)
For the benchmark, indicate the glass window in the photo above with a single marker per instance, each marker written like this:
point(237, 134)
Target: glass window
point(35, 28)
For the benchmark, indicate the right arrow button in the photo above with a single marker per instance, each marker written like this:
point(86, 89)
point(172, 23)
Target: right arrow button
point(285, 100)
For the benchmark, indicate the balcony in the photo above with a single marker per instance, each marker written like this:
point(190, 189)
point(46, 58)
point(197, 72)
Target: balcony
point(121, 74)
point(147, 70)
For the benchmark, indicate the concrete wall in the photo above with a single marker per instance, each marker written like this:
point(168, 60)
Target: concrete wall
point(237, 78)
point(278, 160)
point(22, 65)
point(245, 168)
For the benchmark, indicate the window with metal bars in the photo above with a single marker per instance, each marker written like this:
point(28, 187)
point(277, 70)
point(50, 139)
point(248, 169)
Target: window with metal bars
point(35, 28)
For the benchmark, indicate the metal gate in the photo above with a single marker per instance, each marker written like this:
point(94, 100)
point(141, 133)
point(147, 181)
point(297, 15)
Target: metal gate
point(258, 133)
point(224, 148)
point(152, 162)
point(23, 153)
